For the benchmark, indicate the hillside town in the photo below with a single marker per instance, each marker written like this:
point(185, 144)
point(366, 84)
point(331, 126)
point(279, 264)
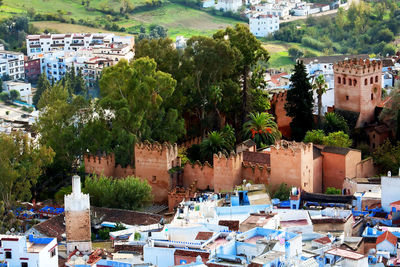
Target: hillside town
point(136, 150)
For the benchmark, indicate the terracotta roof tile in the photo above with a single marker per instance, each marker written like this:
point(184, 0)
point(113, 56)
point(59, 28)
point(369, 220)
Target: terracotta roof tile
point(387, 236)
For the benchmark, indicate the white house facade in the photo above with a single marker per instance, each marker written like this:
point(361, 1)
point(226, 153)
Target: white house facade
point(263, 25)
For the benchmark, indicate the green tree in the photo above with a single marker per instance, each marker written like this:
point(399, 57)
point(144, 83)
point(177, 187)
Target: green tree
point(333, 191)
point(252, 52)
point(60, 125)
point(283, 192)
point(387, 157)
point(299, 104)
point(14, 95)
point(334, 123)
point(42, 85)
point(262, 129)
point(315, 136)
point(320, 87)
point(295, 52)
point(390, 113)
point(217, 142)
point(129, 193)
point(21, 164)
point(339, 139)
point(4, 96)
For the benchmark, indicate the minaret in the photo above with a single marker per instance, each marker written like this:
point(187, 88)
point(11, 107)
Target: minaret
point(77, 219)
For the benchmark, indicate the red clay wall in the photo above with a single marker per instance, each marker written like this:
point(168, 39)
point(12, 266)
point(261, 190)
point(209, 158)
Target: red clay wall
point(353, 158)
point(152, 162)
point(100, 165)
point(366, 168)
point(361, 91)
point(256, 173)
point(120, 172)
point(227, 172)
point(278, 102)
point(292, 163)
point(203, 175)
point(334, 170)
point(317, 183)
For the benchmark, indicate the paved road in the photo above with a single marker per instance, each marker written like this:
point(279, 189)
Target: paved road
point(14, 113)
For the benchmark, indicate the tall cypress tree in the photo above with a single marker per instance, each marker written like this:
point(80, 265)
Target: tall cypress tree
point(300, 102)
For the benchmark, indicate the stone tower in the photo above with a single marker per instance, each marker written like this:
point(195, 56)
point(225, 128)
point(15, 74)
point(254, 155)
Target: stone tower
point(358, 87)
point(77, 219)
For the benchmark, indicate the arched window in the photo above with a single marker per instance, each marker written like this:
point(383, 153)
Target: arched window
point(355, 82)
point(344, 80)
point(376, 79)
point(366, 81)
point(350, 82)
point(371, 81)
point(339, 80)
point(372, 96)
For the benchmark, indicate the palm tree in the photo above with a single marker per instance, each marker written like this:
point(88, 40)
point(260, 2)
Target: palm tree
point(213, 144)
point(262, 129)
point(320, 86)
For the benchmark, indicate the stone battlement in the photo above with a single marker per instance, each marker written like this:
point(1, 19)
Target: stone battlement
point(292, 146)
point(278, 96)
point(197, 163)
point(157, 147)
point(109, 159)
point(233, 157)
point(357, 66)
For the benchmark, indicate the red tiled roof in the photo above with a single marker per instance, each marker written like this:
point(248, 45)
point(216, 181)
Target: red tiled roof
point(275, 78)
point(204, 235)
point(323, 240)
point(395, 203)
point(387, 236)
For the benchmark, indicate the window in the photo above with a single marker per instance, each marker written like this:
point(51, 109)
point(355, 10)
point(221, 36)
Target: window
point(376, 79)
point(347, 97)
point(0, 243)
point(350, 82)
point(355, 82)
point(53, 253)
point(344, 80)
point(372, 96)
point(8, 255)
point(371, 81)
point(154, 179)
point(365, 81)
point(373, 136)
point(24, 264)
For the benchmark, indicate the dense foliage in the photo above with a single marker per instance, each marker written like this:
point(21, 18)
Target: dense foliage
point(333, 191)
point(21, 164)
point(387, 158)
point(129, 193)
point(318, 137)
point(363, 28)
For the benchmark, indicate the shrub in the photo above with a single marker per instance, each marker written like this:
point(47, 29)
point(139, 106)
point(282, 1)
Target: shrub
point(283, 192)
point(333, 191)
point(129, 193)
point(104, 234)
point(335, 122)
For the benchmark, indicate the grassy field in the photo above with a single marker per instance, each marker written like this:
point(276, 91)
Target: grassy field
point(279, 56)
point(65, 27)
point(178, 19)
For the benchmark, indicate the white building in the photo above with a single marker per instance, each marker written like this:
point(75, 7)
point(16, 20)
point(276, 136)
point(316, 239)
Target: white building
point(28, 251)
point(39, 44)
point(229, 5)
point(280, 10)
point(55, 65)
point(390, 191)
point(12, 64)
point(263, 25)
point(24, 89)
point(305, 9)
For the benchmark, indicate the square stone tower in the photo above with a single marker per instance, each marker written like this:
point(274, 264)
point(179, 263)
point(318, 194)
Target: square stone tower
point(77, 219)
point(358, 87)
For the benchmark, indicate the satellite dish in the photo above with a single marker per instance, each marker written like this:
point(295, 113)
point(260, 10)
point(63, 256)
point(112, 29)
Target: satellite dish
point(12, 230)
point(8, 232)
point(77, 253)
